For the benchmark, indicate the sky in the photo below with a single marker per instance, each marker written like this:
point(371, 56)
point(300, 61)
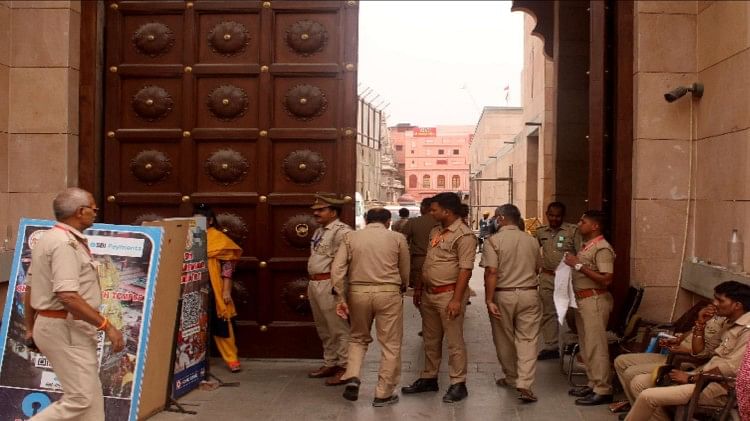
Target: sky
point(439, 62)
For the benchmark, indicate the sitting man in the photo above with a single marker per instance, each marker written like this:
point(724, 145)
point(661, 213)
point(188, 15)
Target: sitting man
point(726, 349)
point(628, 366)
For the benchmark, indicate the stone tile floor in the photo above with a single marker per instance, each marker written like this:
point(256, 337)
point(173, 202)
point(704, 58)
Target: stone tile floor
point(280, 389)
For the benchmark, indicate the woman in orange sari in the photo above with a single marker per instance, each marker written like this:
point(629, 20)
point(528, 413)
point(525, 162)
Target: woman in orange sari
point(223, 254)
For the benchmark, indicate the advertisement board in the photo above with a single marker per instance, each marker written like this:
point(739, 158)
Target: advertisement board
point(128, 257)
point(190, 363)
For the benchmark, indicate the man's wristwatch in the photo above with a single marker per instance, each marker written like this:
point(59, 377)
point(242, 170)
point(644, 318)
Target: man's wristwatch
point(578, 266)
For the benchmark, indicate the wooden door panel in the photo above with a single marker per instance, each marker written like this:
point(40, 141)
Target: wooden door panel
point(292, 227)
point(248, 106)
point(290, 301)
point(306, 38)
point(226, 102)
point(135, 212)
point(304, 101)
point(228, 38)
point(245, 291)
point(153, 39)
point(223, 166)
point(303, 164)
point(151, 103)
point(149, 166)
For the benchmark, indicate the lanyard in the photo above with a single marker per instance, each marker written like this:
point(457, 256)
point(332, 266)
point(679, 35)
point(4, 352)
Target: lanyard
point(317, 238)
point(439, 238)
point(592, 243)
point(85, 246)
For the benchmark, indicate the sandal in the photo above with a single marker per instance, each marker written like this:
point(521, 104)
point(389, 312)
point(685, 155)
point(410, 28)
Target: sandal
point(526, 395)
point(234, 367)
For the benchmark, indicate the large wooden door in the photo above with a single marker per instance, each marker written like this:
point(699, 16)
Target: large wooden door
point(249, 107)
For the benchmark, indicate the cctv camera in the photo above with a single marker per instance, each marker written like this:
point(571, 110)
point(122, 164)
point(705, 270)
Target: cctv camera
point(680, 91)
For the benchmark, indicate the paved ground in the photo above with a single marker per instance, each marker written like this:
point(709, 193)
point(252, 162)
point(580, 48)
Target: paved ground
point(280, 390)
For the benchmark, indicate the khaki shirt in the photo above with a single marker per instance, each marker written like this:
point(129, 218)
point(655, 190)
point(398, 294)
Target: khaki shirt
point(515, 255)
point(728, 346)
point(555, 242)
point(417, 232)
point(372, 256)
point(323, 246)
point(60, 262)
point(455, 248)
point(600, 257)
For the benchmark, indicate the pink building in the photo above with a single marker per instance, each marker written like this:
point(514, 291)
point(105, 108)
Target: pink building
point(432, 159)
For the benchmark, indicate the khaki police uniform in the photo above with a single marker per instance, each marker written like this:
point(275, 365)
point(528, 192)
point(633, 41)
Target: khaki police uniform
point(515, 255)
point(594, 305)
point(450, 250)
point(630, 366)
point(332, 330)
point(417, 232)
point(377, 263)
point(727, 348)
point(554, 244)
point(61, 262)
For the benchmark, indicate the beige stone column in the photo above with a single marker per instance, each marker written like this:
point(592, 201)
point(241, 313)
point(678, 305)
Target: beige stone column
point(39, 79)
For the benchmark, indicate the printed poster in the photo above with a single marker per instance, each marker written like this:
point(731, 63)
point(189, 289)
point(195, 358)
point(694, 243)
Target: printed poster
point(190, 364)
point(129, 257)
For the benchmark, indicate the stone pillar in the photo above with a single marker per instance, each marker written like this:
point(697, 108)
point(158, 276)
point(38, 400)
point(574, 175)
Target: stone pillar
point(665, 57)
point(39, 79)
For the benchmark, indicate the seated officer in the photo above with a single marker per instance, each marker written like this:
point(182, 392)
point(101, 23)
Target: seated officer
point(731, 301)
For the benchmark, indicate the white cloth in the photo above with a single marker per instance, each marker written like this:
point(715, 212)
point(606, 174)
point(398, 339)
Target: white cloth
point(564, 296)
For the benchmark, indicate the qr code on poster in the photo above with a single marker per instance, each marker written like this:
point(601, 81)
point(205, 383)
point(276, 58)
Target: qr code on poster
point(191, 312)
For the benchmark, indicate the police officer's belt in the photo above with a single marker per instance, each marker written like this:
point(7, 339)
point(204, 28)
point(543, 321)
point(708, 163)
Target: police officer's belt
point(591, 292)
point(515, 289)
point(320, 276)
point(375, 288)
point(441, 289)
point(53, 314)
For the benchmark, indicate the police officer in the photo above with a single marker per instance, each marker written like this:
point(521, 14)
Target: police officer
point(417, 232)
point(333, 331)
point(377, 263)
point(442, 297)
point(726, 350)
point(510, 260)
point(555, 238)
point(594, 267)
point(60, 307)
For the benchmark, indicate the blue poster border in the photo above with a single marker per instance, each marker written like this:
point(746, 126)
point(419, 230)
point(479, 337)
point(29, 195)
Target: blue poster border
point(155, 234)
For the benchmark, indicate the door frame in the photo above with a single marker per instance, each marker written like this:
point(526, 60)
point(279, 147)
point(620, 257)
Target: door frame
point(91, 99)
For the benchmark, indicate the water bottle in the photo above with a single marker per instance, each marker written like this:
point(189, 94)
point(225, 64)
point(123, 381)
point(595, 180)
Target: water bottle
point(736, 252)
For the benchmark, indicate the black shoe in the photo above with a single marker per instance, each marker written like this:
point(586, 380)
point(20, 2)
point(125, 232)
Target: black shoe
point(594, 399)
point(351, 391)
point(378, 402)
point(421, 385)
point(580, 392)
point(455, 393)
point(548, 354)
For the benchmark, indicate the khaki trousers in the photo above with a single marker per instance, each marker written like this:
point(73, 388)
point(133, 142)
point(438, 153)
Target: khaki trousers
point(387, 309)
point(332, 329)
point(592, 316)
point(651, 402)
point(516, 335)
point(550, 326)
point(628, 366)
point(435, 326)
point(70, 346)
